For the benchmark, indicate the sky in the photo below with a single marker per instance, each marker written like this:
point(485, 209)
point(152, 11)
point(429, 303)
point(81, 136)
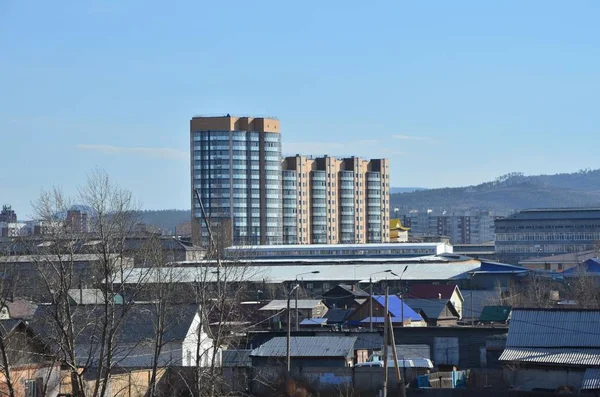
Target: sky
point(454, 93)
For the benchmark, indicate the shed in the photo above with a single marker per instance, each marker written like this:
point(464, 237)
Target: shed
point(552, 347)
point(307, 351)
point(495, 314)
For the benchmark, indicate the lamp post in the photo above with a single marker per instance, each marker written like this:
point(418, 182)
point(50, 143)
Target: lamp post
point(371, 297)
point(289, 328)
point(401, 294)
point(298, 289)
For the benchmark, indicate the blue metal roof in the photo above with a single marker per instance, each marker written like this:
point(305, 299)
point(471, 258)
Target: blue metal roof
point(395, 308)
point(314, 321)
point(591, 267)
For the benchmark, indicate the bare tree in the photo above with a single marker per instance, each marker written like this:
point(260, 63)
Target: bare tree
point(85, 336)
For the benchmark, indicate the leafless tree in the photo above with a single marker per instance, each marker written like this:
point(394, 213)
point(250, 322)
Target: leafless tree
point(85, 336)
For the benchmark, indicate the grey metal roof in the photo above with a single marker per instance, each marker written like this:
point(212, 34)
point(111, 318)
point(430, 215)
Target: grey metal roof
point(308, 346)
point(546, 355)
point(280, 304)
point(330, 271)
point(433, 308)
point(591, 379)
point(236, 358)
point(554, 328)
point(86, 296)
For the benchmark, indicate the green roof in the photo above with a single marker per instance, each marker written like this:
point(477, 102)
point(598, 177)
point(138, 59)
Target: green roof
point(497, 314)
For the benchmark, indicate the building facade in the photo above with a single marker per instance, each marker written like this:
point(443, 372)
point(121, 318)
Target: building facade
point(236, 167)
point(544, 232)
point(468, 227)
point(327, 200)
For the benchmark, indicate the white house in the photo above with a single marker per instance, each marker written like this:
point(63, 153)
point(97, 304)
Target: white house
point(183, 337)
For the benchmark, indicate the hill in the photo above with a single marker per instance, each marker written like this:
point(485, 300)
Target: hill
point(511, 191)
point(165, 220)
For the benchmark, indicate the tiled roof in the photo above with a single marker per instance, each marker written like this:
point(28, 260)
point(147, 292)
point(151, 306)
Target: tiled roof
point(308, 346)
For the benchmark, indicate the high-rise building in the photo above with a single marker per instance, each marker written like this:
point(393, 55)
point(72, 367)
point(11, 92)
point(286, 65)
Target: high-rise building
point(236, 165)
point(327, 200)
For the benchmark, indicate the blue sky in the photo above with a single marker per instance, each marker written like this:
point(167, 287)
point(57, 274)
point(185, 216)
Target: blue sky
point(453, 92)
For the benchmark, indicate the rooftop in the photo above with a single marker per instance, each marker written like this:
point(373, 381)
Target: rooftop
point(282, 304)
point(308, 346)
point(432, 291)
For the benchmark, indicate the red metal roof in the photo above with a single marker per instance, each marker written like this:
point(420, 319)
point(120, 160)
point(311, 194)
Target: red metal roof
point(432, 291)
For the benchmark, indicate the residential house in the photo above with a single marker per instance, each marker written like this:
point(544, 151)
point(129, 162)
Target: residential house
point(495, 315)
point(400, 313)
point(449, 292)
point(136, 336)
point(344, 296)
point(552, 348)
point(276, 310)
point(32, 369)
point(435, 312)
point(18, 308)
point(338, 316)
point(306, 351)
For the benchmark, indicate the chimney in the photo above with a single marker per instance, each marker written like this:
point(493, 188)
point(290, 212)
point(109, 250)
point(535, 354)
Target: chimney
point(439, 295)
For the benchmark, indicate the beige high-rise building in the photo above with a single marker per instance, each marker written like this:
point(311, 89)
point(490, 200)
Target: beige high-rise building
point(327, 200)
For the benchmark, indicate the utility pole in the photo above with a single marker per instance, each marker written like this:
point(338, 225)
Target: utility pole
point(371, 304)
point(296, 308)
point(472, 315)
point(289, 330)
point(385, 347)
point(400, 381)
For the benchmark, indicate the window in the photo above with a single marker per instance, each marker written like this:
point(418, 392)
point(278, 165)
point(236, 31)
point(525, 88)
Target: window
point(325, 285)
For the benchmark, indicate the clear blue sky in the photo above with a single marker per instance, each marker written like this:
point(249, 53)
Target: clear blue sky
point(454, 92)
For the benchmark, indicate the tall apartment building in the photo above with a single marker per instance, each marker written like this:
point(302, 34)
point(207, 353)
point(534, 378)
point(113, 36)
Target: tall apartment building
point(327, 200)
point(468, 227)
point(236, 165)
point(547, 231)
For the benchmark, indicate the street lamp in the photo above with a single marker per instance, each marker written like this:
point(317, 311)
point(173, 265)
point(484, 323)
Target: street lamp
point(297, 289)
point(371, 297)
point(401, 295)
point(289, 327)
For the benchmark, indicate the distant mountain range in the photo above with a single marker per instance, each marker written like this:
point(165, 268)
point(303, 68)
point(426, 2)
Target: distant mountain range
point(510, 191)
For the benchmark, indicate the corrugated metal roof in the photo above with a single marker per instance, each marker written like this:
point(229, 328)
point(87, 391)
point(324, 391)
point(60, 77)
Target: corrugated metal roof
point(591, 379)
point(554, 328)
point(314, 321)
point(432, 308)
point(332, 271)
point(545, 355)
point(236, 358)
point(308, 346)
point(480, 299)
point(280, 304)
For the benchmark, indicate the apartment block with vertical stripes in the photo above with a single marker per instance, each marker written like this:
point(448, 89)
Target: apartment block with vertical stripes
point(258, 197)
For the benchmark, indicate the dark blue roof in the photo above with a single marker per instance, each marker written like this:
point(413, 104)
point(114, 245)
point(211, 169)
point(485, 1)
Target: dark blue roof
point(496, 267)
point(591, 266)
